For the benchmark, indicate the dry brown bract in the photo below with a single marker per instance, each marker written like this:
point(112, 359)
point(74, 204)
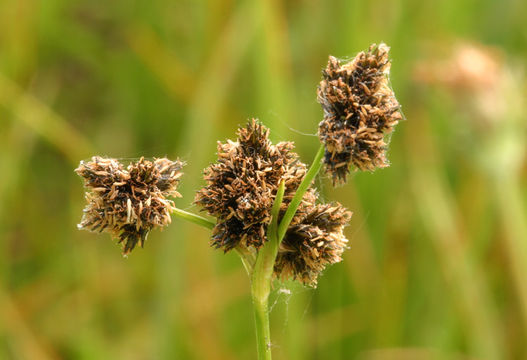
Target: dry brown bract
point(359, 109)
point(242, 184)
point(128, 203)
point(314, 242)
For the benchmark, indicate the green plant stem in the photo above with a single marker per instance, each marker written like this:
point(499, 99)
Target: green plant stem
point(260, 268)
point(248, 258)
point(263, 332)
point(302, 188)
point(193, 218)
point(264, 266)
point(261, 280)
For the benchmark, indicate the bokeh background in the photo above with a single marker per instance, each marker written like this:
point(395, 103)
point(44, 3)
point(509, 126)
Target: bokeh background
point(438, 256)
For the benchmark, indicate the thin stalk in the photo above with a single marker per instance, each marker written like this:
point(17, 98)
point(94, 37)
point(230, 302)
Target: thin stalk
point(261, 280)
point(263, 332)
point(263, 269)
point(302, 188)
point(193, 218)
point(248, 258)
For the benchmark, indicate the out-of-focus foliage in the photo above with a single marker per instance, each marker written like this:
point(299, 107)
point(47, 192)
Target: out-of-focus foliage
point(438, 241)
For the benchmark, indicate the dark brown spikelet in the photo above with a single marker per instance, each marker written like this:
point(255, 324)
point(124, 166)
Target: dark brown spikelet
point(128, 202)
point(312, 243)
point(359, 110)
point(242, 184)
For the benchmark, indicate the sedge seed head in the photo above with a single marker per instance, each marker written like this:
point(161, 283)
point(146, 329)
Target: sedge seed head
point(360, 108)
point(313, 242)
point(240, 191)
point(242, 184)
point(128, 202)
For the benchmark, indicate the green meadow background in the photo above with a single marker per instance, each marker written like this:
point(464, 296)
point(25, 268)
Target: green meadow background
point(438, 241)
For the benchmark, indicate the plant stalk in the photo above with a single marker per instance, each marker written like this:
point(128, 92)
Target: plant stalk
point(193, 218)
point(299, 195)
point(263, 269)
point(263, 332)
point(261, 280)
point(260, 268)
point(248, 258)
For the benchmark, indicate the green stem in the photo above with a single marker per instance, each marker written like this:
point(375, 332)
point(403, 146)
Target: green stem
point(248, 258)
point(261, 267)
point(264, 267)
point(193, 218)
point(263, 332)
point(261, 280)
point(302, 188)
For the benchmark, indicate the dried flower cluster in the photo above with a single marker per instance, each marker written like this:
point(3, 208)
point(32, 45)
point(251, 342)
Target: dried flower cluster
point(240, 191)
point(359, 110)
point(128, 202)
point(242, 184)
point(313, 242)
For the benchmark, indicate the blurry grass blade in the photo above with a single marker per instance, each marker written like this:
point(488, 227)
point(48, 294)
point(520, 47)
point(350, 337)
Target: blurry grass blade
point(28, 345)
point(274, 80)
point(508, 195)
point(506, 150)
point(411, 353)
point(438, 213)
point(217, 75)
point(168, 68)
point(331, 334)
point(41, 119)
point(206, 104)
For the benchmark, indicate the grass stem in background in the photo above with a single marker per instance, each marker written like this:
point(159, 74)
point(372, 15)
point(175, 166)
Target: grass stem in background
point(464, 277)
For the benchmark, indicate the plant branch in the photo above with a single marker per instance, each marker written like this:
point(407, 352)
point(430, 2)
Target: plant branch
point(261, 280)
point(248, 258)
point(193, 218)
point(302, 188)
point(260, 267)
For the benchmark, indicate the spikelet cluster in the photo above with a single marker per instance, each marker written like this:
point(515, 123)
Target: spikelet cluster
point(312, 242)
point(242, 184)
point(359, 110)
point(128, 202)
point(240, 191)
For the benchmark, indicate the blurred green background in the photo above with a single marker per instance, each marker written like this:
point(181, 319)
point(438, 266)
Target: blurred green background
point(438, 256)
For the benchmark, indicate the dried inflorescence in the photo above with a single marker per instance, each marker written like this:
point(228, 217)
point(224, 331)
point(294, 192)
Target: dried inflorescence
point(128, 202)
point(241, 188)
point(359, 110)
point(242, 184)
point(313, 242)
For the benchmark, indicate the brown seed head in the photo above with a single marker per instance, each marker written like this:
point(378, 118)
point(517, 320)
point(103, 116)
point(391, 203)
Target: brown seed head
point(128, 203)
point(359, 110)
point(241, 188)
point(313, 242)
point(242, 185)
